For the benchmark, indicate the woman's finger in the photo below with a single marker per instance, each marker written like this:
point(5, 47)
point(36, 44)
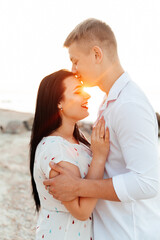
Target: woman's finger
point(97, 129)
point(107, 135)
point(102, 129)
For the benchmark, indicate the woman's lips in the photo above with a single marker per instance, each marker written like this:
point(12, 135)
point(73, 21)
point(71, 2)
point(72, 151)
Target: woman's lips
point(85, 105)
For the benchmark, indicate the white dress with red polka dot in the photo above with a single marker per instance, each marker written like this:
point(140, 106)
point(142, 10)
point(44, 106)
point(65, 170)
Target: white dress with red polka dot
point(55, 222)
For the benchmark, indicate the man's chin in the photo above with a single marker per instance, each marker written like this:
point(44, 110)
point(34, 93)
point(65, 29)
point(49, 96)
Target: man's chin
point(89, 84)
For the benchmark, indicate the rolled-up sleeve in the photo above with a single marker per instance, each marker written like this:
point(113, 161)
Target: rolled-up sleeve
point(136, 129)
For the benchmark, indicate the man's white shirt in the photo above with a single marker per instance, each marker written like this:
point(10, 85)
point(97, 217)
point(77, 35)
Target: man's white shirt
point(133, 165)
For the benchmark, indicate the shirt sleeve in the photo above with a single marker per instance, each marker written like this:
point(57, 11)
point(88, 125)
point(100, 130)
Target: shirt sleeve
point(56, 151)
point(136, 130)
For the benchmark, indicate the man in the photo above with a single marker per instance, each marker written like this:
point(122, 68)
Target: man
point(128, 206)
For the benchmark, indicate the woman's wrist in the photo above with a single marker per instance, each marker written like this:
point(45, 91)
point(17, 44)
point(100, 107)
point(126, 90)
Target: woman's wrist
point(79, 187)
point(99, 159)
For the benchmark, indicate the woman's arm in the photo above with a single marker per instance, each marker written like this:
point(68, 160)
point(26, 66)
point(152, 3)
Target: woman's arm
point(82, 207)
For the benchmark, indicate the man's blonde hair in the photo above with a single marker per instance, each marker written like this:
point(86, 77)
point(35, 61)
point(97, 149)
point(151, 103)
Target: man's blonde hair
point(93, 31)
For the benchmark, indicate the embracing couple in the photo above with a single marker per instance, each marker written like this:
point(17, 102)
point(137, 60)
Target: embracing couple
point(109, 189)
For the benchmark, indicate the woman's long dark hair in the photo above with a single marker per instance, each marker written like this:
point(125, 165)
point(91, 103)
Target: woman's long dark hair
point(47, 117)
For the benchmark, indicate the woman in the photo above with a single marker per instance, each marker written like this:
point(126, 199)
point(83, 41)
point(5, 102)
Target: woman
point(61, 102)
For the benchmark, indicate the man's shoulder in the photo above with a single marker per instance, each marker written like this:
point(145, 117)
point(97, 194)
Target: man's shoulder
point(132, 92)
point(132, 98)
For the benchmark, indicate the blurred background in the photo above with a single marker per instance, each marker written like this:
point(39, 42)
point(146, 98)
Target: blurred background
point(32, 36)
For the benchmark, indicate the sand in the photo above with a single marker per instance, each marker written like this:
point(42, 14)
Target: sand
point(17, 211)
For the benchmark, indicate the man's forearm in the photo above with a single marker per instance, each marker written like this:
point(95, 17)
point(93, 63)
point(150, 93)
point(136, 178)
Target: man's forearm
point(94, 185)
point(101, 189)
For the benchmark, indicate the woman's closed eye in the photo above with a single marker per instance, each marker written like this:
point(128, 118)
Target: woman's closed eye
point(78, 92)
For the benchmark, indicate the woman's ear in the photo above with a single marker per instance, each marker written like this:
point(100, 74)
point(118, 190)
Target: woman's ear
point(60, 106)
point(98, 54)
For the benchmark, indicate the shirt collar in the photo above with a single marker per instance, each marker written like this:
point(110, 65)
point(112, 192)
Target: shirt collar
point(116, 89)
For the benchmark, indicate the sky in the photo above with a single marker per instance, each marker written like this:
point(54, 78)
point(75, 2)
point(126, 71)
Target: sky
point(32, 36)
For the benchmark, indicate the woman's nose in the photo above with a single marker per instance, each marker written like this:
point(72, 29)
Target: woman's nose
point(87, 96)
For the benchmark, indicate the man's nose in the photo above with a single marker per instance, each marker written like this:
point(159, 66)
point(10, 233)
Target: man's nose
point(74, 69)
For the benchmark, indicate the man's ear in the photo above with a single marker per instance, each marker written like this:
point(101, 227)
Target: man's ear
point(98, 54)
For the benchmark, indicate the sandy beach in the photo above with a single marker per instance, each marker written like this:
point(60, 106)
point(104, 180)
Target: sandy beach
point(18, 216)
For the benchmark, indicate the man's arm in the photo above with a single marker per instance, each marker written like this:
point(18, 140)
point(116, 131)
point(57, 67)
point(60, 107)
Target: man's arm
point(135, 129)
point(101, 189)
point(67, 187)
point(80, 208)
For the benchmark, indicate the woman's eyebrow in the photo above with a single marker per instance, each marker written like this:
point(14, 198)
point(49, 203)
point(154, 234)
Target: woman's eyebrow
point(78, 86)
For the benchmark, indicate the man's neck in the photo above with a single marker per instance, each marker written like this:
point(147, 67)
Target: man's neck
point(110, 76)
